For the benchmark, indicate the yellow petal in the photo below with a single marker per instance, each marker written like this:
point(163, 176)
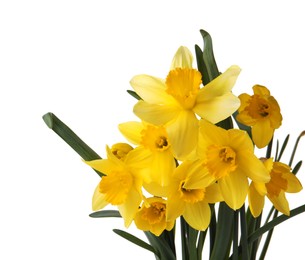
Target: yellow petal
point(98, 199)
point(175, 208)
point(217, 108)
point(129, 209)
point(198, 215)
point(234, 189)
point(156, 114)
point(262, 133)
point(151, 89)
point(182, 59)
point(183, 134)
point(102, 165)
point(261, 90)
point(256, 201)
point(213, 194)
point(293, 185)
point(220, 85)
point(280, 203)
point(131, 131)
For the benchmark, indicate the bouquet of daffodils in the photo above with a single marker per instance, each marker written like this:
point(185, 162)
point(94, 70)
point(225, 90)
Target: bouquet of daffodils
point(189, 163)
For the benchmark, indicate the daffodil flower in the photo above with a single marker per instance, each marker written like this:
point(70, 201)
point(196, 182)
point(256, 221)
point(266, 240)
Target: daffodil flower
point(282, 181)
point(262, 112)
point(191, 190)
point(152, 216)
point(122, 184)
point(153, 141)
point(229, 157)
point(179, 100)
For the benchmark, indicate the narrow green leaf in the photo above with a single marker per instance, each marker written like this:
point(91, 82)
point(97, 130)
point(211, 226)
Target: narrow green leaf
point(210, 70)
point(134, 94)
point(106, 214)
point(163, 250)
point(134, 240)
point(297, 167)
point(244, 234)
point(223, 238)
point(283, 148)
point(278, 220)
point(71, 138)
point(200, 244)
point(193, 235)
point(295, 147)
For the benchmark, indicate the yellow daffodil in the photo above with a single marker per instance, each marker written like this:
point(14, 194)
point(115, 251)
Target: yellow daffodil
point(282, 180)
point(229, 157)
point(122, 183)
point(191, 190)
point(152, 216)
point(177, 101)
point(153, 141)
point(262, 112)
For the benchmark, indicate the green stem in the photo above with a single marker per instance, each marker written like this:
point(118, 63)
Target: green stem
point(244, 234)
point(235, 235)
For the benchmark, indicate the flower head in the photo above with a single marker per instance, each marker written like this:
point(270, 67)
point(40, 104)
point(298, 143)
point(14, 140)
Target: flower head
point(229, 157)
point(152, 216)
point(262, 112)
point(152, 141)
point(191, 190)
point(282, 181)
point(177, 101)
point(122, 183)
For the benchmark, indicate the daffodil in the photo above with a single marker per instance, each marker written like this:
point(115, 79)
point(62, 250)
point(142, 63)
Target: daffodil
point(122, 184)
point(191, 190)
point(152, 216)
point(282, 181)
point(179, 100)
point(153, 141)
point(229, 157)
point(262, 112)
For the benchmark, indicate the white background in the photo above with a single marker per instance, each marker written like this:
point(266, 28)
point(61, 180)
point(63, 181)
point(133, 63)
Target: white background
point(75, 59)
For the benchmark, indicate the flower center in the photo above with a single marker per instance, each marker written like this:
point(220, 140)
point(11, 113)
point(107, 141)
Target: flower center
point(155, 213)
point(183, 84)
point(277, 184)
point(191, 195)
point(154, 138)
point(258, 107)
point(221, 160)
point(116, 186)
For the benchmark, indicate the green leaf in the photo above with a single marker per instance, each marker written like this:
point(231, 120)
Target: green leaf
point(106, 214)
point(224, 231)
point(163, 249)
point(278, 220)
point(134, 240)
point(283, 148)
point(206, 61)
point(297, 167)
point(134, 94)
point(71, 138)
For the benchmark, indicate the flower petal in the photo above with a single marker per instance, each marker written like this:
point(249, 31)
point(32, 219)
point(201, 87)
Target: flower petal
point(213, 194)
point(217, 108)
point(98, 199)
point(293, 183)
point(256, 201)
point(183, 134)
point(182, 59)
point(280, 203)
point(132, 131)
point(198, 215)
point(262, 133)
point(129, 209)
point(234, 189)
point(151, 89)
point(220, 85)
point(154, 113)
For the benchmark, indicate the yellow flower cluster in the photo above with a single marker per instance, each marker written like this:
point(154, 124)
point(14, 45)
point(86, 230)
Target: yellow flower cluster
point(181, 161)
